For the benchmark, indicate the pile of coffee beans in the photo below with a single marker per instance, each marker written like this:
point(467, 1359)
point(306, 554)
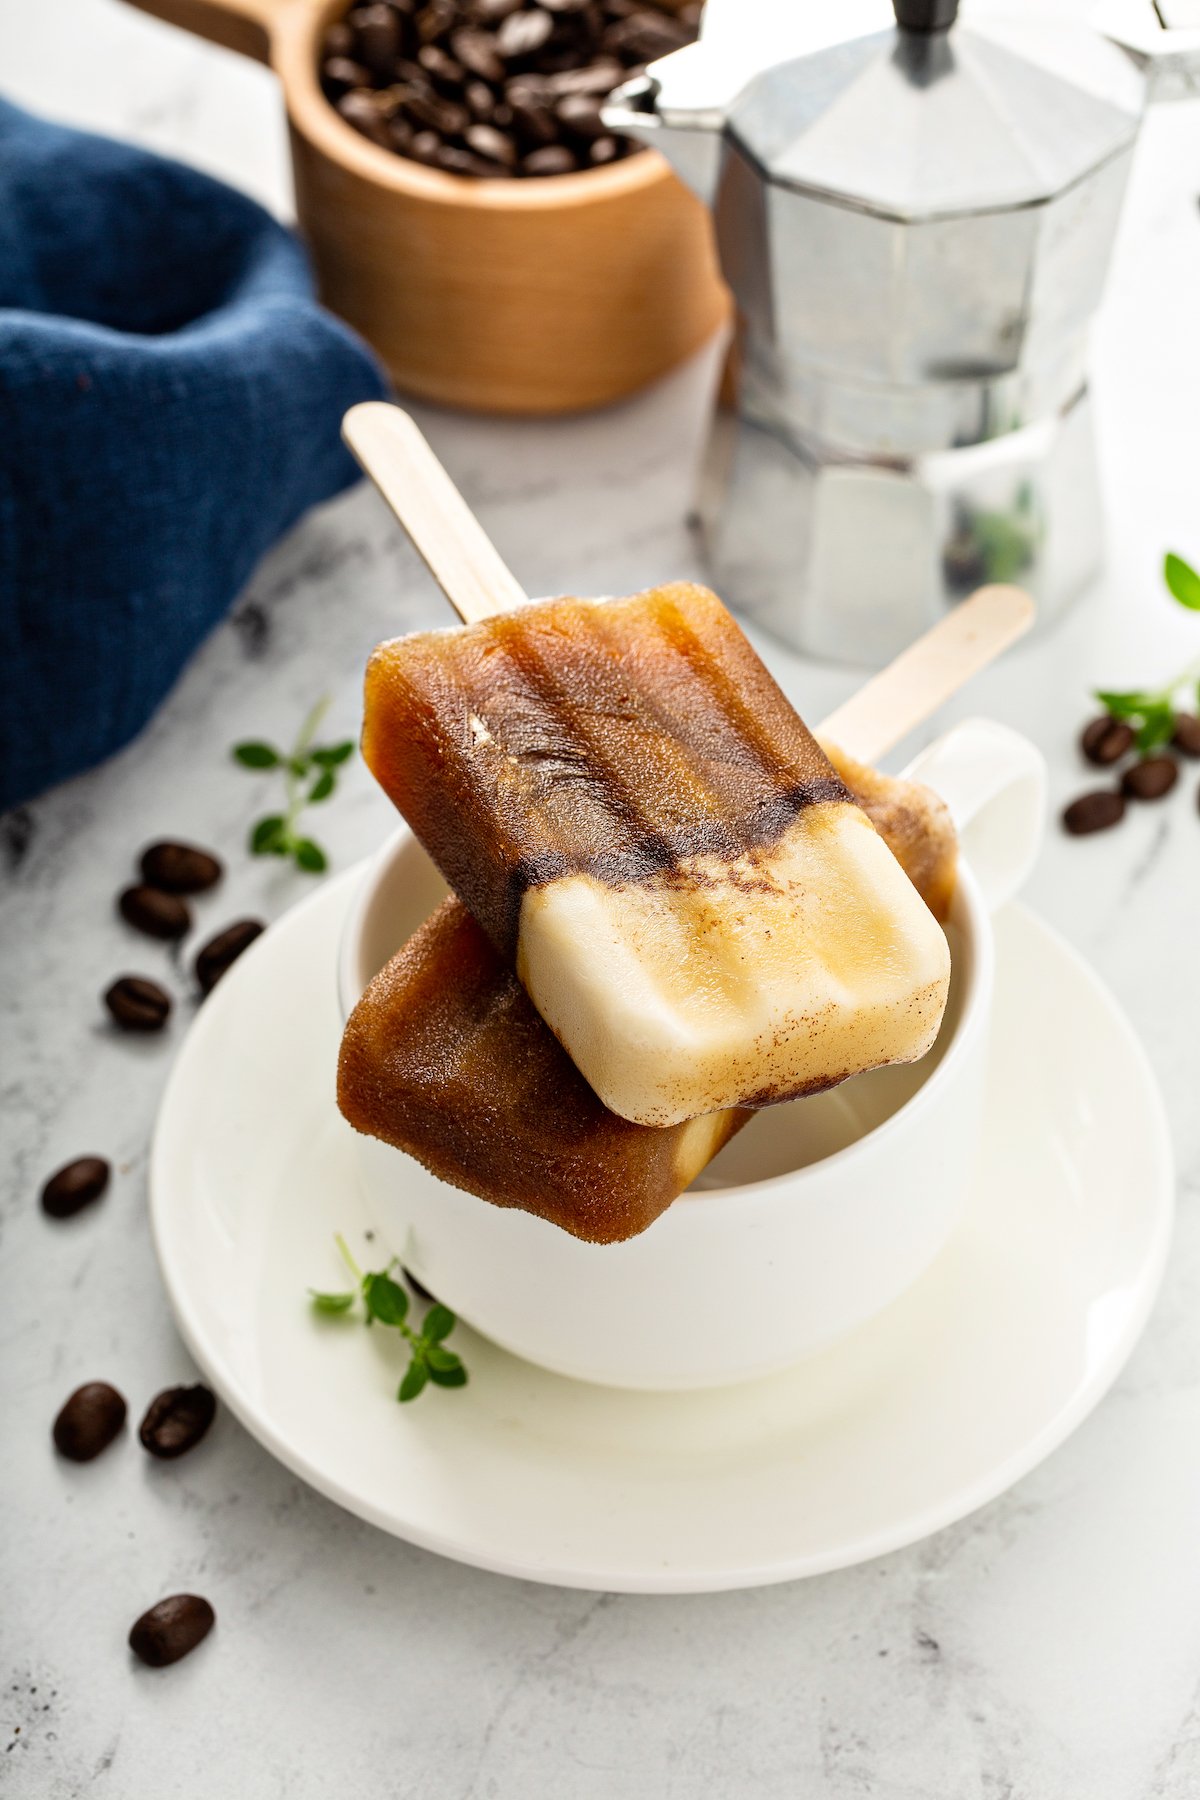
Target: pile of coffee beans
point(495, 89)
point(1109, 743)
point(157, 906)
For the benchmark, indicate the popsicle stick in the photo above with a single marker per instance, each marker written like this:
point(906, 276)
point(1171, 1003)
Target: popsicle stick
point(929, 672)
point(460, 557)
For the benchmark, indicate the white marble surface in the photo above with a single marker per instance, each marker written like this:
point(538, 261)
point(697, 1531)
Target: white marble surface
point(1047, 1648)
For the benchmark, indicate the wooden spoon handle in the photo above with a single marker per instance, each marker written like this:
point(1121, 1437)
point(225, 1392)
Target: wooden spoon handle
point(460, 557)
point(929, 672)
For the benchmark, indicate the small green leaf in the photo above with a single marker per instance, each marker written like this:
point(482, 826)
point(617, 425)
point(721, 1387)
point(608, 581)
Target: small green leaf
point(322, 787)
point(267, 837)
point(439, 1323)
point(332, 754)
point(257, 755)
point(1183, 581)
point(439, 1358)
point(331, 1303)
point(310, 856)
point(298, 765)
point(386, 1299)
point(1157, 728)
point(414, 1380)
point(456, 1377)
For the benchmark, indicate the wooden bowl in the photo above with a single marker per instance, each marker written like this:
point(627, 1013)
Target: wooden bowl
point(540, 296)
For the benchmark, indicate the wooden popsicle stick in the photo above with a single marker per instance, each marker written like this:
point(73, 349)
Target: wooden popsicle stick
point(453, 544)
point(929, 672)
point(395, 454)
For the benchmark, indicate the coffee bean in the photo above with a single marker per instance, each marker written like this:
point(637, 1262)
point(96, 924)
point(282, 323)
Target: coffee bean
point(534, 121)
point(434, 19)
point(555, 159)
point(492, 144)
point(1187, 734)
point(379, 39)
point(341, 73)
point(138, 1004)
point(481, 102)
point(437, 114)
point(400, 136)
point(604, 150)
point(425, 148)
point(463, 162)
point(476, 51)
point(358, 109)
point(645, 36)
point(76, 1185)
point(176, 1420)
point(598, 78)
point(171, 1629)
point(446, 72)
point(154, 912)
point(522, 34)
point(339, 40)
point(89, 1421)
point(222, 951)
point(1106, 740)
point(180, 868)
point(1151, 778)
point(1097, 811)
point(580, 114)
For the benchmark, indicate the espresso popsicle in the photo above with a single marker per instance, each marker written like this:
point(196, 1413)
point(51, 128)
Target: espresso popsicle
point(446, 1058)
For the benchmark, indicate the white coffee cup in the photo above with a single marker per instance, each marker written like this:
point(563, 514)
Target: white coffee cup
point(815, 1217)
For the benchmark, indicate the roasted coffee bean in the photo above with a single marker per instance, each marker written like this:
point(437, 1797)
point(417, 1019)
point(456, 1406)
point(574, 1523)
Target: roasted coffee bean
point(89, 1421)
point(599, 78)
point(138, 1004)
point(341, 73)
point(339, 40)
point(1151, 778)
point(379, 38)
point(1097, 811)
point(446, 72)
point(463, 162)
point(491, 144)
point(435, 18)
point(523, 34)
point(1187, 734)
point(437, 114)
point(359, 109)
point(604, 150)
point(221, 952)
point(580, 114)
point(171, 1629)
point(176, 1420)
point(476, 51)
point(534, 121)
point(555, 159)
point(425, 147)
point(180, 868)
point(490, 12)
point(565, 7)
point(481, 102)
point(645, 36)
point(76, 1185)
point(1106, 740)
point(153, 911)
point(400, 136)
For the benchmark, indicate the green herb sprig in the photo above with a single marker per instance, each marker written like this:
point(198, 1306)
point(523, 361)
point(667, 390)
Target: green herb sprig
point(1153, 712)
point(386, 1302)
point(310, 773)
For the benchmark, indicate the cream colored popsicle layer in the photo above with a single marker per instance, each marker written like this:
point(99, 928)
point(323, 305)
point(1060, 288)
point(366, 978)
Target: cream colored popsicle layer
point(634, 812)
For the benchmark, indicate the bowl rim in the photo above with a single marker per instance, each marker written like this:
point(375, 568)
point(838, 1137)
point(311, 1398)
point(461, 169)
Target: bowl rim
point(293, 56)
point(969, 913)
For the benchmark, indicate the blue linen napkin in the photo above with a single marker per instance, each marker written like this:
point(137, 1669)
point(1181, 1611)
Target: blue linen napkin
point(170, 400)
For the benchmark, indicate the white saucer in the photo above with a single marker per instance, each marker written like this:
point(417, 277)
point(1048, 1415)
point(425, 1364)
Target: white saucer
point(934, 1408)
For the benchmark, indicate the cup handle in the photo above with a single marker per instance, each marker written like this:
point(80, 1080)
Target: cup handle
point(994, 782)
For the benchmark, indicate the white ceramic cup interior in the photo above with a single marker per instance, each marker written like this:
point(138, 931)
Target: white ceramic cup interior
point(816, 1216)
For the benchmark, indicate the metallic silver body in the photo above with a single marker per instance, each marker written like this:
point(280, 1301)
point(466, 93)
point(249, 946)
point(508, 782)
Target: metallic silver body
point(916, 229)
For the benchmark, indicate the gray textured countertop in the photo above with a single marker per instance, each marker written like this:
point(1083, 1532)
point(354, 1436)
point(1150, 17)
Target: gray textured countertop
point(1046, 1648)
